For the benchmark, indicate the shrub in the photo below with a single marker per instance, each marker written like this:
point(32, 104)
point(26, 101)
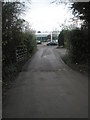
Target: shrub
point(78, 46)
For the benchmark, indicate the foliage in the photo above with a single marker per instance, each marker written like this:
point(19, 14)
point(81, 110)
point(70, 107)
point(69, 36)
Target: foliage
point(30, 41)
point(49, 37)
point(54, 37)
point(81, 10)
point(11, 30)
point(39, 32)
point(78, 49)
point(61, 39)
point(79, 37)
point(77, 45)
point(77, 40)
point(14, 34)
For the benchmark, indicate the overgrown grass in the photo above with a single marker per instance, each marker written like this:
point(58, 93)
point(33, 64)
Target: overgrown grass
point(82, 68)
point(11, 72)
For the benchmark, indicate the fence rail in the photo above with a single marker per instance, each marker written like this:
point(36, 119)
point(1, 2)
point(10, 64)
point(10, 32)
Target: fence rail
point(21, 53)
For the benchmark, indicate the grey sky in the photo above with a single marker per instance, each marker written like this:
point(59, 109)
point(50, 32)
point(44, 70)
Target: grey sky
point(44, 16)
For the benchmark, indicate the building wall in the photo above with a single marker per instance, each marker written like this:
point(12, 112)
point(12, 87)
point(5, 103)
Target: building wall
point(42, 39)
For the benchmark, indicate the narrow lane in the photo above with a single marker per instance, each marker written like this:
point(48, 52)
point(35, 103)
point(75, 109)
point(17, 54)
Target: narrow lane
point(47, 88)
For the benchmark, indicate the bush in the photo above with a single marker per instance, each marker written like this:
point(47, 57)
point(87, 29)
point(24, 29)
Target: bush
point(78, 46)
point(30, 42)
point(61, 39)
point(14, 35)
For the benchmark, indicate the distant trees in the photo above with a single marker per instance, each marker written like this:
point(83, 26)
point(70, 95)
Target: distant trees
point(39, 32)
point(61, 39)
point(49, 37)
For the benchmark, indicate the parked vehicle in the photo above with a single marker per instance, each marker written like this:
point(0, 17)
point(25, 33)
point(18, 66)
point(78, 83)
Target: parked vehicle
point(52, 43)
point(39, 42)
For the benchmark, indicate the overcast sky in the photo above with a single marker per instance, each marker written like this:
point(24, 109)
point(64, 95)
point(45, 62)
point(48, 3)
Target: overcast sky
point(44, 16)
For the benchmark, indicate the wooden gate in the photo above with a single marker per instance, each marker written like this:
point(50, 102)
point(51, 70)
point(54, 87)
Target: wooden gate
point(21, 53)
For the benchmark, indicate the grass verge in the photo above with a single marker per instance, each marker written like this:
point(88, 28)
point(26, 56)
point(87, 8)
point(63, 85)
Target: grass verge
point(82, 68)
